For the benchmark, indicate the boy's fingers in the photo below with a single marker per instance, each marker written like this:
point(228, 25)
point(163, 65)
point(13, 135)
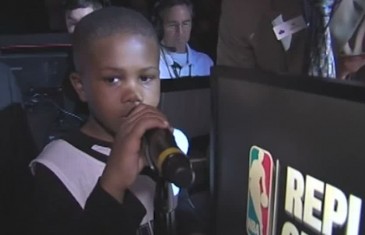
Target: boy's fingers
point(143, 116)
point(143, 110)
point(144, 124)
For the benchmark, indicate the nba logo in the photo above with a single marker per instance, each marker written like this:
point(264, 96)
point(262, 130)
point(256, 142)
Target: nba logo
point(261, 167)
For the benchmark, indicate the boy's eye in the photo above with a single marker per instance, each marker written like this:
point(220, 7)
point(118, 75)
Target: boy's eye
point(146, 78)
point(112, 80)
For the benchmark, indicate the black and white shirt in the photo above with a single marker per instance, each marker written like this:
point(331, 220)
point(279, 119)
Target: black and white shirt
point(74, 165)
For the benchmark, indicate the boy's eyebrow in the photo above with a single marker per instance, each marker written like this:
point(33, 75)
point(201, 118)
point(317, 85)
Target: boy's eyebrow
point(151, 67)
point(122, 69)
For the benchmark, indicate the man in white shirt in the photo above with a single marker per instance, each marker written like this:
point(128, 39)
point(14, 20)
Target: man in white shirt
point(173, 20)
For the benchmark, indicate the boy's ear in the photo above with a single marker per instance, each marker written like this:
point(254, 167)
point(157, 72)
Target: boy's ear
point(77, 84)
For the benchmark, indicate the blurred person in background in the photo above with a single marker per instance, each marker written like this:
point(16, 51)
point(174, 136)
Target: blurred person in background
point(246, 36)
point(75, 10)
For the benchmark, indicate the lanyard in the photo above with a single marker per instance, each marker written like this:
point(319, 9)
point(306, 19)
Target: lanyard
point(175, 67)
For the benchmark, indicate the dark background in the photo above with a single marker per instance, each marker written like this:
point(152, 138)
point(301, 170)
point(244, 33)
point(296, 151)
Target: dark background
point(314, 126)
point(47, 16)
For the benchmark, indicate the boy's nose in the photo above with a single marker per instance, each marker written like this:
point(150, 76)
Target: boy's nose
point(132, 94)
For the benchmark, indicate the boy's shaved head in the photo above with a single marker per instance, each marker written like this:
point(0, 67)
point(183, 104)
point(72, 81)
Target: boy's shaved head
point(108, 22)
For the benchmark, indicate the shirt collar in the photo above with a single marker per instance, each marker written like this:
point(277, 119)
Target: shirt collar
point(166, 55)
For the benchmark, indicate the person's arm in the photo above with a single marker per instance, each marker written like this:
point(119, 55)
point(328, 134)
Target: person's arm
point(237, 25)
point(57, 212)
point(110, 208)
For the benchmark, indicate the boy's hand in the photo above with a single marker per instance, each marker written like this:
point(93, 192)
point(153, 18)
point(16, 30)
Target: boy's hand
point(126, 160)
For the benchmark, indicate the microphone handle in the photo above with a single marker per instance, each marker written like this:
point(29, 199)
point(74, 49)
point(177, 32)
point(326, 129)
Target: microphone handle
point(165, 157)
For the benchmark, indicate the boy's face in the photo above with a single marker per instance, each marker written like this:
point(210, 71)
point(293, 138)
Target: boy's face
point(119, 72)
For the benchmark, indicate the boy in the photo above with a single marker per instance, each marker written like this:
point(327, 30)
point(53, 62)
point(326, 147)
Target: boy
point(89, 182)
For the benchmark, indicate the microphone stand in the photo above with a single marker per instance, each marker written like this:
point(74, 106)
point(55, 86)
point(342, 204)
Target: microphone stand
point(164, 215)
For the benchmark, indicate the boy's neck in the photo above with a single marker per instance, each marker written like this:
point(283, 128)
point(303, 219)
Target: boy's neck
point(93, 129)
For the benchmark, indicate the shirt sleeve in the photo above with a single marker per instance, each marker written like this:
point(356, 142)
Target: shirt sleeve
point(57, 212)
point(237, 26)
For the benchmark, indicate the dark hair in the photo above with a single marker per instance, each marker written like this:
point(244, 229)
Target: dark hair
point(108, 22)
point(69, 5)
point(163, 5)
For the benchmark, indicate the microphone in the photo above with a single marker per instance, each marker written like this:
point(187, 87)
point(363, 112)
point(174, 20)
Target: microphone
point(164, 155)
